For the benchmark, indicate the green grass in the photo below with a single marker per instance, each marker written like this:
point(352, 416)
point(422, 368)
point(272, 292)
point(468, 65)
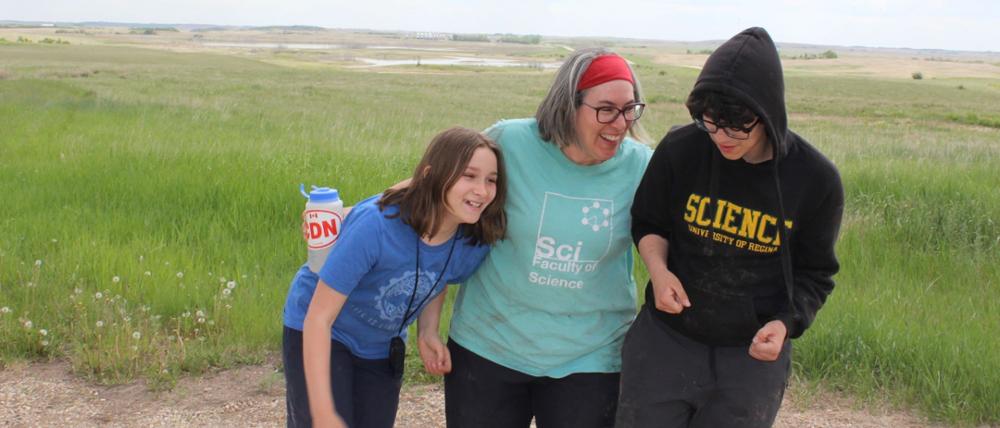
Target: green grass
point(156, 194)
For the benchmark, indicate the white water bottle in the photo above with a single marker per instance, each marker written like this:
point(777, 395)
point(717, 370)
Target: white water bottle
point(321, 223)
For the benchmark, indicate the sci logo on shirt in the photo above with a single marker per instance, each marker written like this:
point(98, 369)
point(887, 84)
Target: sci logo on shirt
point(574, 234)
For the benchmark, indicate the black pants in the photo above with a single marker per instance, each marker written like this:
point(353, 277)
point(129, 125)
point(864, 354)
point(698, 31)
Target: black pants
point(482, 394)
point(669, 380)
point(365, 392)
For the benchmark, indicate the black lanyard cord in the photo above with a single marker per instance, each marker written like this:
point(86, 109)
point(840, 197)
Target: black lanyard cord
point(416, 283)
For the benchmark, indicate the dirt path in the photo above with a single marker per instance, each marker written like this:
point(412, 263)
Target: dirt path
point(47, 394)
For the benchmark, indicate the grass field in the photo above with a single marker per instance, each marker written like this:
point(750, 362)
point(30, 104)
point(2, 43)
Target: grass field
point(150, 216)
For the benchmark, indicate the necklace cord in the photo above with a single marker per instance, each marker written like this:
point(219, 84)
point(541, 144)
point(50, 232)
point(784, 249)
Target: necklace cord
point(416, 283)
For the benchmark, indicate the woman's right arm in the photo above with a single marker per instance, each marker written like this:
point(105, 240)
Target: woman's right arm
point(323, 310)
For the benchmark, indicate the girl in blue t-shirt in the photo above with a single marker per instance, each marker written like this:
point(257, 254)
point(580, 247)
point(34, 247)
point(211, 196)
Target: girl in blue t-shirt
point(345, 328)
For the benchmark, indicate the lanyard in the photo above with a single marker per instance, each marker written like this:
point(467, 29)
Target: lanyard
point(416, 282)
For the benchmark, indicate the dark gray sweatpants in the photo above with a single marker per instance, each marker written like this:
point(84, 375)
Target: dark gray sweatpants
point(669, 380)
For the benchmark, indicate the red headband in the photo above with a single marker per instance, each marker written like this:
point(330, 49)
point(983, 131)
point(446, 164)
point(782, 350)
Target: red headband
point(605, 68)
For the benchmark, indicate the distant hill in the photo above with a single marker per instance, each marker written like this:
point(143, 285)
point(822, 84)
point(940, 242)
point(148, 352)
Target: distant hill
point(691, 46)
point(183, 27)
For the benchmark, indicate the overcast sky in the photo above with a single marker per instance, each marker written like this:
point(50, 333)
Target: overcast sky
point(951, 24)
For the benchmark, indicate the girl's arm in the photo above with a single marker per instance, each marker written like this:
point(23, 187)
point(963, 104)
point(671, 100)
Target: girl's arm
point(433, 352)
point(323, 310)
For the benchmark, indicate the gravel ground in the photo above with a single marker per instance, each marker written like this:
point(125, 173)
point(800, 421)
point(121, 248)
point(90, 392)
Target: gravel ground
point(47, 394)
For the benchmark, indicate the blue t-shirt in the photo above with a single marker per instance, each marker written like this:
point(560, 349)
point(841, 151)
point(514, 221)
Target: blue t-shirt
point(557, 295)
point(374, 265)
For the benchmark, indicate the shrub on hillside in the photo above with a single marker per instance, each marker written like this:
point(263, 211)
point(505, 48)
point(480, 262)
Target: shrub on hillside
point(51, 41)
point(530, 39)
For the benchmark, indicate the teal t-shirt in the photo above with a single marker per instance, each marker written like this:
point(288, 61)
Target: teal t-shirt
point(557, 295)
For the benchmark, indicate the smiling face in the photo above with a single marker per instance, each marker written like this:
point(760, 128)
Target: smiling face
point(754, 149)
point(598, 142)
point(474, 190)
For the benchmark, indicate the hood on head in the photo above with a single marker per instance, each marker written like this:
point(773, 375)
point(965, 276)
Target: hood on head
point(747, 67)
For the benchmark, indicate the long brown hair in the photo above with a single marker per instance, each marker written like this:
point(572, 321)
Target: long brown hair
point(422, 203)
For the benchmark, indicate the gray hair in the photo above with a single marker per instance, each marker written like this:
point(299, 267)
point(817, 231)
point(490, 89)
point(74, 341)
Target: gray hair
point(556, 115)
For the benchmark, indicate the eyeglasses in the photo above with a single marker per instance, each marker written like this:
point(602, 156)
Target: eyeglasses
point(608, 114)
point(734, 132)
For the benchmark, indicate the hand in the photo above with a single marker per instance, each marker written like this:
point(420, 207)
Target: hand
point(768, 341)
point(434, 353)
point(669, 293)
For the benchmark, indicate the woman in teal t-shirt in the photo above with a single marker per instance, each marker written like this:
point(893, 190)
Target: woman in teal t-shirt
point(537, 330)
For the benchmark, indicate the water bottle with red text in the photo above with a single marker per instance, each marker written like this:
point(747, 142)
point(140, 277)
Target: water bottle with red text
point(321, 223)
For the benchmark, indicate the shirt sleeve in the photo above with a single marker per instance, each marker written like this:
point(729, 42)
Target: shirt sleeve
point(356, 251)
point(495, 131)
point(649, 209)
point(473, 257)
point(813, 260)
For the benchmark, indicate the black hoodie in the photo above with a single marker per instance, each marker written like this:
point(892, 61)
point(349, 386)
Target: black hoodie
point(721, 217)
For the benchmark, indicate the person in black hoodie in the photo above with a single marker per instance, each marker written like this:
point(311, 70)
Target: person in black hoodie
point(736, 219)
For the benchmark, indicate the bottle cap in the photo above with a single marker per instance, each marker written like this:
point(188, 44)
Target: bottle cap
point(320, 194)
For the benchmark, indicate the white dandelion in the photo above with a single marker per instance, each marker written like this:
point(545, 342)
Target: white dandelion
point(45, 343)
point(43, 332)
point(38, 262)
point(77, 290)
point(28, 324)
point(200, 314)
point(115, 279)
point(98, 295)
point(226, 291)
point(136, 335)
point(4, 310)
point(231, 285)
point(186, 314)
point(180, 274)
point(147, 273)
point(99, 323)
point(201, 320)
